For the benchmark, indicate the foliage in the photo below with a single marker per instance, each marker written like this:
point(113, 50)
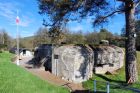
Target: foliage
point(27, 42)
point(41, 37)
point(65, 36)
point(5, 40)
point(62, 11)
point(15, 79)
point(75, 38)
point(96, 37)
point(92, 38)
point(56, 34)
point(46, 36)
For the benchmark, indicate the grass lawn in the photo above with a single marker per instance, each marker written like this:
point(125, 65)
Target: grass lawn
point(119, 79)
point(14, 79)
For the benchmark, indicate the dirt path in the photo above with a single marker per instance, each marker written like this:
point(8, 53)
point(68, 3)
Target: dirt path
point(46, 75)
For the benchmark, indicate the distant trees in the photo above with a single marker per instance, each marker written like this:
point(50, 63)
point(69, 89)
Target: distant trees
point(103, 34)
point(5, 39)
point(75, 38)
point(41, 37)
point(26, 42)
point(92, 38)
point(47, 36)
point(57, 36)
point(96, 37)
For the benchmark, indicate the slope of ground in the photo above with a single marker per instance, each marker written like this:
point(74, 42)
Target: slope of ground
point(15, 79)
point(117, 79)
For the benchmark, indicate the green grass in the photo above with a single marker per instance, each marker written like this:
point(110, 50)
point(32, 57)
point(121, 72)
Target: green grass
point(14, 79)
point(118, 79)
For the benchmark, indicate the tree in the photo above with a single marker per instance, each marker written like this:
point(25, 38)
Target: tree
point(137, 28)
point(96, 37)
point(92, 38)
point(5, 39)
point(62, 11)
point(41, 37)
point(75, 38)
point(57, 35)
point(105, 34)
point(138, 34)
point(47, 36)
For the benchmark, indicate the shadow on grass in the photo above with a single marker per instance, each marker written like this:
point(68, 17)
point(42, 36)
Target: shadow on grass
point(111, 80)
point(81, 91)
point(118, 84)
point(87, 91)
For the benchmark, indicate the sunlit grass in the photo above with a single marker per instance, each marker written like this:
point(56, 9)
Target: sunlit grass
point(14, 79)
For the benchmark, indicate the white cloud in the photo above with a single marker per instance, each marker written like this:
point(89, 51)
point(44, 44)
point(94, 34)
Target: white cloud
point(8, 11)
point(26, 33)
point(89, 20)
point(76, 28)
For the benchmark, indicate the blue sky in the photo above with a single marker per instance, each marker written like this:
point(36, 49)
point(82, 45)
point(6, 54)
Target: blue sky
point(31, 21)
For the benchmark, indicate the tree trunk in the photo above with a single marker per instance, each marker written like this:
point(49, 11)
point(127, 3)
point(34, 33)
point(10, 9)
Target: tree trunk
point(130, 63)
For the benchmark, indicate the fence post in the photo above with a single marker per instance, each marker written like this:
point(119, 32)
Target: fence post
point(108, 86)
point(94, 86)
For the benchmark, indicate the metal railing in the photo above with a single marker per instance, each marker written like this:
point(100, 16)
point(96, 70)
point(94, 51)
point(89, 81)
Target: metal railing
point(108, 86)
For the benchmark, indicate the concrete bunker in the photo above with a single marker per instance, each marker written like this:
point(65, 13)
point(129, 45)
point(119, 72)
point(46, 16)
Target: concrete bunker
point(107, 59)
point(77, 63)
point(23, 52)
point(73, 62)
point(43, 56)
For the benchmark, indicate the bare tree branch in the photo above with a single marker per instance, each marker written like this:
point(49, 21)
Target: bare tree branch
point(114, 12)
point(121, 0)
point(138, 3)
point(102, 18)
